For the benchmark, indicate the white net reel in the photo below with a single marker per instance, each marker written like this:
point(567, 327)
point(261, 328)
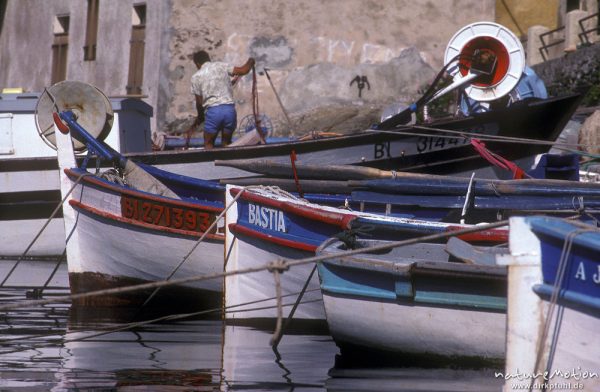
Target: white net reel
point(497, 40)
point(91, 107)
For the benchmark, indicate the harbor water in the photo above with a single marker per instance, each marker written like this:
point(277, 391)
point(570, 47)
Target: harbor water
point(59, 347)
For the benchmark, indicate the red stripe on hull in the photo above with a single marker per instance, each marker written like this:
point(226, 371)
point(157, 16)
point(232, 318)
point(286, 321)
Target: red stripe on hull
point(142, 195)
point(78, 205)
point(495, 236)
point(238, 229)
point(331, 218)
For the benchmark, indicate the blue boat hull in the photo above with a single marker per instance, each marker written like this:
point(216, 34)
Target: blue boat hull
point(554, 304)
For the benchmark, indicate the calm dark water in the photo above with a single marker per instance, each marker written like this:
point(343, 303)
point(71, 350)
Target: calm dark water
point(60, 348)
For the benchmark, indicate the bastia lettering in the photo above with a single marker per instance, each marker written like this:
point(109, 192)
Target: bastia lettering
point(267, 218)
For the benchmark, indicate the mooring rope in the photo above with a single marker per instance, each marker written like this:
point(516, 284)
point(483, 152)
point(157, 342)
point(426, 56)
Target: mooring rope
point(450, 134)
point(38, 291)
point(278, 267)
point(211, 227)
point(198, 242)
point(37, 236)
point(112, 329)
point(259, 268)
point(277, 337)
point(582, 211)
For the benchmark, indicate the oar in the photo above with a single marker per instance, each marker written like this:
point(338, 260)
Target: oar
point(312, 171)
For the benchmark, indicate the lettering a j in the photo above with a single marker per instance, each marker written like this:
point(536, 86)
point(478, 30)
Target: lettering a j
point(580, 272)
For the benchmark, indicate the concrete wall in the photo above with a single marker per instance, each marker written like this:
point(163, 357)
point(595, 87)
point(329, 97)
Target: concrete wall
point(520, 15)
point(565, 38)
point(284, 36)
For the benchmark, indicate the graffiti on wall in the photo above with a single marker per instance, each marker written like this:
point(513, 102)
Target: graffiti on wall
point(278, 52)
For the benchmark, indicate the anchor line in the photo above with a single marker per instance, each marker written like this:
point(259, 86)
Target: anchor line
point(277, 268)
point(58, 207)
point(199, 241)
point(277, 337)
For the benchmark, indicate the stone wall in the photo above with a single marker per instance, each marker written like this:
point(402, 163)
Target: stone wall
point(314, 49)
point(572, 72)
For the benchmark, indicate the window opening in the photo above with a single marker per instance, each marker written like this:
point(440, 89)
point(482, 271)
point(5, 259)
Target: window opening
point(136, 53)
point(91, 32)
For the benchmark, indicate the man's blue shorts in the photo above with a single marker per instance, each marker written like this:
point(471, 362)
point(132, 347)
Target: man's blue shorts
point(220, 118)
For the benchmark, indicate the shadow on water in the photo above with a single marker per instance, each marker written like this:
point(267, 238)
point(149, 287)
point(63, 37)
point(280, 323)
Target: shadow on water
point(63, 348)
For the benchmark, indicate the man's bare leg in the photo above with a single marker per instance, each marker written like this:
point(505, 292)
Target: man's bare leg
point(209, 140)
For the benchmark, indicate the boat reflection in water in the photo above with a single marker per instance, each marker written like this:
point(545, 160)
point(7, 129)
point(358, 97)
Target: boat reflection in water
point(153, 356)
point(188, 354)
point(199, 354)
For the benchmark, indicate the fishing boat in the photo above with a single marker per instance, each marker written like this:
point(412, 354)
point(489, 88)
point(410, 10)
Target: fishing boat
point(478, 200)
point(501, 99)
point(263, 225)
point(433, 197)
point(413, 303)
point(125, 227)
point(441, 146)
point(553, 305)
point(29, 185)
point(408, 148)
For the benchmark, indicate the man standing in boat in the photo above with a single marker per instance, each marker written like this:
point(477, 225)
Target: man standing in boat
point(212, 86)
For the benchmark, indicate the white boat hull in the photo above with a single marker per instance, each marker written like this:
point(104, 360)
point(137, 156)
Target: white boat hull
point(257, 290)
point(414, 329)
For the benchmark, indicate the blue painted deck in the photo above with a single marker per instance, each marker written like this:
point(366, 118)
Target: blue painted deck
point(393, 277)
point(580, 287)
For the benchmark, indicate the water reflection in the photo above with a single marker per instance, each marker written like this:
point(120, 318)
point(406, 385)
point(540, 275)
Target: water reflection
point(63, 348)
point(250, 364)
point(186, 354)
point(412, 379)
point(60, 348)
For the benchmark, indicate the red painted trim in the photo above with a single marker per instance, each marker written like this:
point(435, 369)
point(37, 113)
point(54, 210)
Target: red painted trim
point(62, 127)
point(239, 229)
point(146, 196)
point(316, 214)
point(494, 235)
point(78, 205)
